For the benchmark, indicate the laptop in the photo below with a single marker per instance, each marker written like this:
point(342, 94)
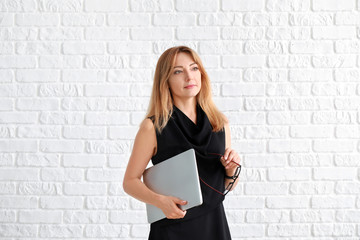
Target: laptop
point(176, 176)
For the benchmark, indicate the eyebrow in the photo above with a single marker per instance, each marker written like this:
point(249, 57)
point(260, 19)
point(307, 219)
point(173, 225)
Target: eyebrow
point(183, 67)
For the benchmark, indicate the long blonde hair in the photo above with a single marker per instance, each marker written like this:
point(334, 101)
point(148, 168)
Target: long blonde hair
point(161, 102)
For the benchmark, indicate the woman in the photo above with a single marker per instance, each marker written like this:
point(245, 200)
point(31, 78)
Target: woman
point(181, 116)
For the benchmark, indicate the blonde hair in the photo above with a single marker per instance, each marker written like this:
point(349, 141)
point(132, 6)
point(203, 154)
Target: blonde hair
point(161, 102)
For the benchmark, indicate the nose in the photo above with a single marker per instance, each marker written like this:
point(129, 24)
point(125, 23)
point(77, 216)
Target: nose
point(188, 75)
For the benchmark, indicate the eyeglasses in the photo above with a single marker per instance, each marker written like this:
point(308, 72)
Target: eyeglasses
point(231, 184)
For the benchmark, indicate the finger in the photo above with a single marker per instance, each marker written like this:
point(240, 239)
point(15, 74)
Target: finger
point(180, 201)
point(226, 154)
point(230, 157)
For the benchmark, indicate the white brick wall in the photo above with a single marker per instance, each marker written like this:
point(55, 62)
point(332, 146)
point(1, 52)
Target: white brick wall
point(75, 80)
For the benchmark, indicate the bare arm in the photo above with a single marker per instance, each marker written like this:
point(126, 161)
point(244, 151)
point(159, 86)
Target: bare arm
point(143, 149)
point(229, 156)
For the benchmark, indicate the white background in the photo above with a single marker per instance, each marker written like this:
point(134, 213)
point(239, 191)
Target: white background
point(75, 81)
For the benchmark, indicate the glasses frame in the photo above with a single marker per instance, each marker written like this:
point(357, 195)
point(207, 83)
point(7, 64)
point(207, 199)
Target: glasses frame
point(231, 184)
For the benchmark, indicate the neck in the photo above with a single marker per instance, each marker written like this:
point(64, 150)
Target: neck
point(187, 107)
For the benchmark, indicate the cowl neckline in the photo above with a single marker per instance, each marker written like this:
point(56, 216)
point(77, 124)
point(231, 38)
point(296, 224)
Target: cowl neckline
point(199, 134)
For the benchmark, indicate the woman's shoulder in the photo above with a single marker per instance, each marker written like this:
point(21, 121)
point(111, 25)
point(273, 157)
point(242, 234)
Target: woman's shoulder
point(147, 125)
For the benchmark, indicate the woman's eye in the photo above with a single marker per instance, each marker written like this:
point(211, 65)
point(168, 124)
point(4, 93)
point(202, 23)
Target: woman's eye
point(195, 68)
point(177, 71)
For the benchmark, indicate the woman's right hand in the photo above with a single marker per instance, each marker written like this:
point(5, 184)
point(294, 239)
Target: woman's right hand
point(169, 206)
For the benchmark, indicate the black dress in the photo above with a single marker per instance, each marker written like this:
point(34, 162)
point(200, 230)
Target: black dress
point(207, 221)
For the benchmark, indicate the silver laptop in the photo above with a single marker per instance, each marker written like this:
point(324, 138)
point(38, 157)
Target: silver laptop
point(176, 176)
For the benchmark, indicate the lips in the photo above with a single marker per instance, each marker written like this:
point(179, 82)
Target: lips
point(190, 86)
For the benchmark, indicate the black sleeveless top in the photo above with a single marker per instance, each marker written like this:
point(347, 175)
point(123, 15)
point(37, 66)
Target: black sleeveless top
point(181, 134)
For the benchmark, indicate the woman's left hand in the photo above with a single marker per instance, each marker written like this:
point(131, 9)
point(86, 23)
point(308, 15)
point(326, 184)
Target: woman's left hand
point(230, 160)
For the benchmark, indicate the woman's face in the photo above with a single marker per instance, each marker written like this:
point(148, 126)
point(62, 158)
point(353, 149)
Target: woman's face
point(185, 79)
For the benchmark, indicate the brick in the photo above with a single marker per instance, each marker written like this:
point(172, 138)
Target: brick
point(312, 216)
point(259, 75)
point(288, 118)
point(227, 47)
point(116, 147)
point(128, 104)
point(347, 46)
point(287, 202)
point(82, 104)
point(311, 131)
point(88, 75)
point(107, 118)
point(108, 33)
point(286, 89)
point(287, 230)
point(18, 202)
point(346, 160)
point(40, 188)
point(102, 90)
point(106, 231)
point(297, 61)
point(347, 187)
point(341, 61)
point(30, 76)
point(311, 19)
point(348, 216)
point(64, 231)
point(166, 19)
point(84, 189)
point(219, 19)
point(64, 6)
point(304, 75)
point(333, 202)
point(83, 47)
point(132, 47)
point(130, 19)
point(343, 230)
point(333, 146)
point(161, 33)
point(62, 174)
point(17, 61)
point(16, 174)
point(61, 118)
point(249, 61)
point(35, 216)
point(247, 230)
point(120, 203)
point(243, 90)
point(128, 217)
point(85, 217)
point(67, 146)
point(83, 19)
point(30, 104)
point(289, 5)
point(36, 159)
point(151, 6)
point(335, 173)
point(247, 202)
point(313, 47)
point(18, 145)
point(7, 188)
point(311, 188)
point(197, 33)
point(61, 202)
point(289, 174)
point(60, 90)
point(36, 19)
point(60, 34)
point(243, 5)
point(266, 188)
point(85, 161)
point(347, 18)
point(18, 230)
point(270, 160)
point(340, 117)
point(84, 132)
point(334, 32)
point(347, 131)
point(265, 47)
point(238, 33)
point(105, 6)
point(19, 6)
point(104, 175)
point(7, 216)
point(289, 146)
point(267, 216)
point(34, 48)
point(333, 5)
